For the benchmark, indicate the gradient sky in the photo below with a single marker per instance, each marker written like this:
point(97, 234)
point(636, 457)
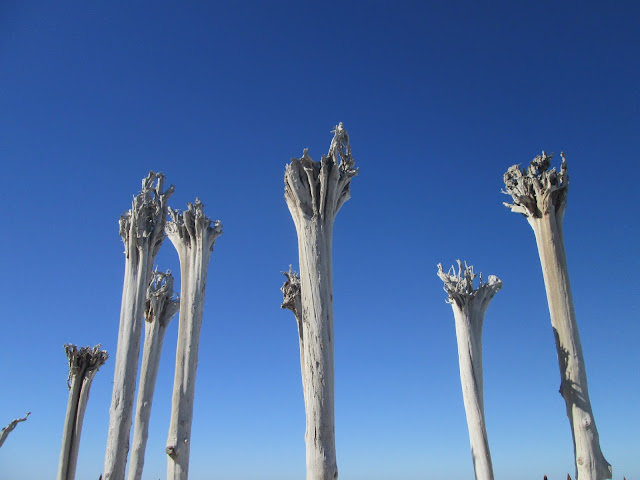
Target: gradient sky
point(439, 99)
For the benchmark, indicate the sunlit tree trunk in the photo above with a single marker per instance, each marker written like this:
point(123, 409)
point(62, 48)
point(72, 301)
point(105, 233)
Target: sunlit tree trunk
point(314, 193)
point(83, 366)
point(193, 235)
point(160, 307)
point(4, 433)
point(540, 195)
point(142, 231)
point(469, 307)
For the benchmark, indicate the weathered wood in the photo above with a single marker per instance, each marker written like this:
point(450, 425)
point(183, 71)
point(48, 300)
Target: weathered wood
point(469, 307)
point(160, 307)
point(540, 195)
point(292, 300)
point(83, 365)
point(314, 193)
point(193, 236)
point(9, 428)
point(142, 231)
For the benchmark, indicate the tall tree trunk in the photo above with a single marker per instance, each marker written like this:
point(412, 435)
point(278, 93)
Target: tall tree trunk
point(83, 366)
point(314, 193)
point(142, 231)
point(160, 307)
point(469, 307)
point(4, 433)
point(193, 236)
point(540, 195)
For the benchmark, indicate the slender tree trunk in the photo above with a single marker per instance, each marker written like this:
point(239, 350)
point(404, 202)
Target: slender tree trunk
point(540, 195)
point(4, 433)
point(469, 307)
point(160, 307)
point(142, 231)
point(314, 193)
point(193, 236)
point(83, 365)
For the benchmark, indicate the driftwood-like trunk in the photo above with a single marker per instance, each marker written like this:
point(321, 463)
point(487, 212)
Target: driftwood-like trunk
point(540, 195)
point(4, 433)
point(83, 366)
point(314, 193)
point(193, 235)
point(142, 231)
point(160, 307)
point(292, 299)
point(469, 307)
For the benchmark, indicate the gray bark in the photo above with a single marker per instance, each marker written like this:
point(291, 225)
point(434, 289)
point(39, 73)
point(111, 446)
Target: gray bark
point(9, 428)
point(193, 236)
point(142, 231)
point(469, 307)
point(540, 195)
point(160, 307)
point(83, 365)
point(314, 193)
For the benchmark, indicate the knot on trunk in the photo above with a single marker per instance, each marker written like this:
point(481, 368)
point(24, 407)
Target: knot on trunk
point(536, 190)
point(291, 292)
point(84, 360)
point(460, 289)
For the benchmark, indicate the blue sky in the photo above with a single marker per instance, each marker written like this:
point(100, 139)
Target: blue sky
point(439, 99)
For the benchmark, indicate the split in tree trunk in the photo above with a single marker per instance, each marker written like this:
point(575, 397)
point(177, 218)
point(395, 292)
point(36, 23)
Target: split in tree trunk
point(314, 193)
point(540, 195)
point(9, 428)
point(83, 366)
point(469, 307)
point(142, 231)
point(193, 235)
point(160, 307)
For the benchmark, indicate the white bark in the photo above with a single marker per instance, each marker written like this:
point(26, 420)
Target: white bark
point(83, 365)
point(469, 307)
point(142, 231)
point(160, 307)
point(292, 300)
point(4, 433)
point(314, 193)
point(540, 195)
point(193, 236)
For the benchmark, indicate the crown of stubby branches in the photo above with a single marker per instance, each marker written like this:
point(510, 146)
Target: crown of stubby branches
point(459, 286)
point(85, 359)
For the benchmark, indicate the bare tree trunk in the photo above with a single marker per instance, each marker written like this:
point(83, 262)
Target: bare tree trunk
point(193, 236)
point(314, 193)
point(142, 231)
point(160, 307)
point(469, 307)
point(83, 365)
point(540, 195)
point(9, 428)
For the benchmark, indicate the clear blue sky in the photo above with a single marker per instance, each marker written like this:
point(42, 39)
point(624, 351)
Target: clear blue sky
point(439, 98)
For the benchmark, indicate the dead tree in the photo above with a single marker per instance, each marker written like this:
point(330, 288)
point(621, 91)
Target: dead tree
point(193, 235)
point(293, 301)
point(83, 366)
point(540, 195)
point(469, 307)
point(9, 428)
point(160, 307)
point(142, 231)
point(314, 193)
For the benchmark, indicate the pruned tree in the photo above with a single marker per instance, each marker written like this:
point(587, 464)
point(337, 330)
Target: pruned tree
point(83, 366)
point(540, 195)
point(142, 231)
point(4, 433)
point(314, 193)
point(193, 236)
point(160, 307)
point(469, 306)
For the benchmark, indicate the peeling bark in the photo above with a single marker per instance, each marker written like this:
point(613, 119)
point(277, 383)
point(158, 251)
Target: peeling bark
point(142, 231)
point(193, 236)
point(540, 195)
point(469, 307)
point(9, 428)
point(83, 366)
point(160, 307)
point(314, 193)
